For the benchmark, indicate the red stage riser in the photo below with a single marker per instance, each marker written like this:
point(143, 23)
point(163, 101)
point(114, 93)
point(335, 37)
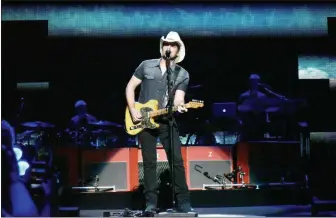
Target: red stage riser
point(243, 150)
point(131, 156)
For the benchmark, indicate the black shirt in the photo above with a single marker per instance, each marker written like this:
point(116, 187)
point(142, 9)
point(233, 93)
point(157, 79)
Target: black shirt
point(154, 84)
point(81, 121)
point(249, 102)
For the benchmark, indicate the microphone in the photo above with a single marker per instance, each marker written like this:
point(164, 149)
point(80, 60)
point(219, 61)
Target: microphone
point(168, 53)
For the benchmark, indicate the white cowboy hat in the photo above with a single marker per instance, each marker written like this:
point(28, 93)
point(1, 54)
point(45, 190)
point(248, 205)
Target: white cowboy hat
point(174, 37)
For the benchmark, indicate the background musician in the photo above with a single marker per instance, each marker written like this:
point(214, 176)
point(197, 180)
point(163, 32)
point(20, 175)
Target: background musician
point(82, 118)
point(79, 124)
point(252, 117)
point(152, 76)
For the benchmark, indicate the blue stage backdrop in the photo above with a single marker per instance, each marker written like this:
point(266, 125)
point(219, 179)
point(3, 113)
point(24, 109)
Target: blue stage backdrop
point(317, 67)
point(189, 20)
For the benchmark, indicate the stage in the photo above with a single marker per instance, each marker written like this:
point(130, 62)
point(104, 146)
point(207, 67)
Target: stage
point(254, 211)
point(281, 201)
point(199, 198)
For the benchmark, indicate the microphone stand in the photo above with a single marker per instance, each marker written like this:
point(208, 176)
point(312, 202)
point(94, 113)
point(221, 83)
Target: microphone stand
point(171, 126)
point(172, 212)
point(282, 97)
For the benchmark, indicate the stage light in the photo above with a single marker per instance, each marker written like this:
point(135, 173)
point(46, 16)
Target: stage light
point(18, 153)
point(23, 166)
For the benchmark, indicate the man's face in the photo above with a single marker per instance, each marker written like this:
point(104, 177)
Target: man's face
point(254, 84)
point(81, 110)
point(172, 46)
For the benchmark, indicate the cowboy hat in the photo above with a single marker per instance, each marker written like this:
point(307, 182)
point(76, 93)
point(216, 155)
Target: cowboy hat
point(254, 77)
point(80, 103)
point(174, 37)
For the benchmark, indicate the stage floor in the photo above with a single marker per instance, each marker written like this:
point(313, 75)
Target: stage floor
point(256, 211)
point(199, 199)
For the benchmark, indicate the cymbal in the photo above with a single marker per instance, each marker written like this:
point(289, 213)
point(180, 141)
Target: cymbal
point(101, 132)
point(28, 134)
point(273, 109)
point(103, 123)
point(37, 125)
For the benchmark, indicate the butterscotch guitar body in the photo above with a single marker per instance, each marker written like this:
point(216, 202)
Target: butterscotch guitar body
point(146, 123)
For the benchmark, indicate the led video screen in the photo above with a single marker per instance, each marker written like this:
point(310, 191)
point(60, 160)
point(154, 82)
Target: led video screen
point(323, 137)
point(318, 67)
point(187, 19)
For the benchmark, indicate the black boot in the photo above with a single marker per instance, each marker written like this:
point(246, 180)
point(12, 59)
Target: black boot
point(185, 208)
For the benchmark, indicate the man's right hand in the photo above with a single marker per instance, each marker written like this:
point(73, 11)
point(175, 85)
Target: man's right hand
point(136, 115)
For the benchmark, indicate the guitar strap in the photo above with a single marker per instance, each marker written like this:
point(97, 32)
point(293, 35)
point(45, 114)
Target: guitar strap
point(170, 95)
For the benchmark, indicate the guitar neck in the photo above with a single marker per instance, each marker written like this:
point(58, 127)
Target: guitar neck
point(161, 112)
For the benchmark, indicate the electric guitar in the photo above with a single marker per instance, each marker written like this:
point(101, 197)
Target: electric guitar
point(149, 111)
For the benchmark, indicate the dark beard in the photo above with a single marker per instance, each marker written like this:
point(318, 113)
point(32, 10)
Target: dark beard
point(172, 59)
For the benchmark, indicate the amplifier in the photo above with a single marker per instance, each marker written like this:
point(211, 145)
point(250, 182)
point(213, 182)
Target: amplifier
point(206, 161)
point(162, 162)
point(112, 165)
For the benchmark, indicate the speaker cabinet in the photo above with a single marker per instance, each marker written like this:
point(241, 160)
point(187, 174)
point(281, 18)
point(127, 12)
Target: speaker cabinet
point(112, 165)
point(162, 163)
point(207, 160)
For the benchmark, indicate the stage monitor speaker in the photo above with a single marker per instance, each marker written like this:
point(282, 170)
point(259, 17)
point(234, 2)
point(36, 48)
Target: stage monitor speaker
point(207, 160)
point(332, 26)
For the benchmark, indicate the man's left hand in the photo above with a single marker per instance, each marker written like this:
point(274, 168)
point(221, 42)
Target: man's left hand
point(181, 108)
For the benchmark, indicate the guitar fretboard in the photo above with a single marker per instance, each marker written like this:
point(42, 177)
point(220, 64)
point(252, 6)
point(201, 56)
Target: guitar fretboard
point(161, 112)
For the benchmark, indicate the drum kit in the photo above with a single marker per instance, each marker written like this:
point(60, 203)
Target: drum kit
point(38, 138)
point(96, 134)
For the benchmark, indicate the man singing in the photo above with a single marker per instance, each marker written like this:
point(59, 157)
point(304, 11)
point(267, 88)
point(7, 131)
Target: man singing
point(152, 76)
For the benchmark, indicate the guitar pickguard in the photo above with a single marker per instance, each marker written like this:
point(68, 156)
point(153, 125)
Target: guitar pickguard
point(146, 122)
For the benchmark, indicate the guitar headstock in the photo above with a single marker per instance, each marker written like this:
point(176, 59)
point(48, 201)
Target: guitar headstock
point(195, 104)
